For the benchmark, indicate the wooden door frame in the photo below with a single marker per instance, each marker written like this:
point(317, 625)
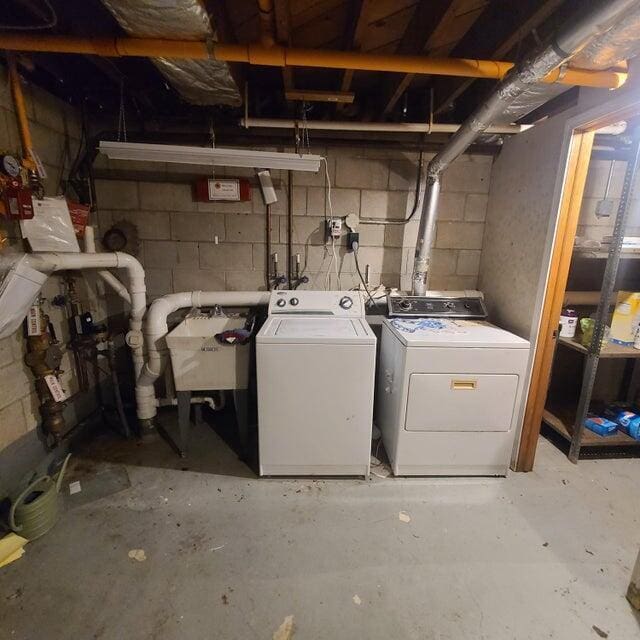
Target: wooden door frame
point(577, 147)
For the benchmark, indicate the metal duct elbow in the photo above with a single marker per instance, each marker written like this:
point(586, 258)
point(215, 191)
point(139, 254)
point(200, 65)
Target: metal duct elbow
point(590, 28)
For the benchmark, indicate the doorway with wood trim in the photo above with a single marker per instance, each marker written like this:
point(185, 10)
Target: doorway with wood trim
point(564, 421)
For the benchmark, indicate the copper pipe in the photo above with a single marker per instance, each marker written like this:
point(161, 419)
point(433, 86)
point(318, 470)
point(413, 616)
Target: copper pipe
point(279, 56)
point(21, 113)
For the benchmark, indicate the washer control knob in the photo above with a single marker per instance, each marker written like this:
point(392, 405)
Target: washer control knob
point(405, 305)
point(346, 302)
point(281, 302)
point(294, 302)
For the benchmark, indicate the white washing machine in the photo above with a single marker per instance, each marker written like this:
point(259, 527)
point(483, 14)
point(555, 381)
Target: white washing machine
point(316, 374)
point(448, 395)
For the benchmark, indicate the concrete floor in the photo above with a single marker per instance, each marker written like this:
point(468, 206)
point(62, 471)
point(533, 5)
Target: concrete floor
point(542, 555)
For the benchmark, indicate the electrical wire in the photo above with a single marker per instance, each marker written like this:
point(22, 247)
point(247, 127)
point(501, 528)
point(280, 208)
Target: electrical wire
point(354, 246)
point(50, 22)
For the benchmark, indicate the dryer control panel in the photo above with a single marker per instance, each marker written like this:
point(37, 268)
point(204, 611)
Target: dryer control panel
point(345, 304)
point(471, 307)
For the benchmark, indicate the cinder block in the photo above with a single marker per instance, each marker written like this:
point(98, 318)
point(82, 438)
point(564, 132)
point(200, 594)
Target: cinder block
point(150, 225)
point(307, 230)
point(246, 281)
point(247, 228)
point(316, 201)
point(160, 254)
point(443, 262)
point(372, 235)
point(380, 259)
point(12, 424)
point(361, 173)
point(15, 382)
point(459, 235)
point(48, 144)
point(159, 282)
point(259, 256)
point(469, 177)
point(299, 201)
point(309, 179)
point(394, 235)
point(198, 280)
point(453, 283)
point(6, 352)
point(49, 111)
point(226, 256)
point(188, 254)
point(244, 206)
point(202, 227)
point(451, 206)
point(344, 202)
point(468, 263)
point(403, 175)
point(475, 208)
point(166, 196)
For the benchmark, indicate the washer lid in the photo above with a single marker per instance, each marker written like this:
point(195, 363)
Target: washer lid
point(308, 330)
point(443, 332)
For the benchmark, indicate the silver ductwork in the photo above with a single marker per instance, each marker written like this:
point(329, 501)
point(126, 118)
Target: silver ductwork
point(203, 82)
point(592, 27)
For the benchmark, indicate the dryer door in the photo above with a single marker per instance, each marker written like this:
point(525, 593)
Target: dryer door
point(460, 402)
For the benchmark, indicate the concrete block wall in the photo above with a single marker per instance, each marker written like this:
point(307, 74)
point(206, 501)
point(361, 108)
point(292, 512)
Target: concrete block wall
point(592, 227)
point(187, 245)
point(55, 129)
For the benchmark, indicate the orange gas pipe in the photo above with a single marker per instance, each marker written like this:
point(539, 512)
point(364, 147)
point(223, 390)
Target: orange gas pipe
point(279, 56)
point(21, 114)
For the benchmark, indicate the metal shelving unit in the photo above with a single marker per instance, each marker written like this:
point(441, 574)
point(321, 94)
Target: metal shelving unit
point(569, 421)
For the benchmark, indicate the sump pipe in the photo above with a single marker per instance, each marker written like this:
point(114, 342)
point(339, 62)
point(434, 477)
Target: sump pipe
point(107, 276)
point(155, 330)
point(51, 262)
point(279, 56)
point(549, 61)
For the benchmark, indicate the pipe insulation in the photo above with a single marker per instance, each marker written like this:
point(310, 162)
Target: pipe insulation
point(203, 82)
point(156, 329)
point(568, 42)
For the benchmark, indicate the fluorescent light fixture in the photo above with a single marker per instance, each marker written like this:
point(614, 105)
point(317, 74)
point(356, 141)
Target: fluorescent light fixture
point(209, 156)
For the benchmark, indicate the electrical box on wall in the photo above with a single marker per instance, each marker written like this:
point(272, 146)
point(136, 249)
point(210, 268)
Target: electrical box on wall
point(222, 190)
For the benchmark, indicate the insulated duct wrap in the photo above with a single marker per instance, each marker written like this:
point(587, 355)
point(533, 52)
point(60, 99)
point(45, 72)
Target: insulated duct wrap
point(615, 45)
point(203, 82)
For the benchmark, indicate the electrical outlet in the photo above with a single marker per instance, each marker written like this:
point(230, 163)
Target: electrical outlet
point(334, 228)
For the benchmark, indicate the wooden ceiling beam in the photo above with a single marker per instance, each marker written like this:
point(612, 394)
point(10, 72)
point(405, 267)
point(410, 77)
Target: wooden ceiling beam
point(356, 27)
point(282, 12)
point(435, 30)
point(544, 11)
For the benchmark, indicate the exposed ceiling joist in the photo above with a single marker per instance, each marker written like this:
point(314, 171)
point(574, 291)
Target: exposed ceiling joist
point(283, 36)
point(544, 11)
point(353, 37)
point(435, 30)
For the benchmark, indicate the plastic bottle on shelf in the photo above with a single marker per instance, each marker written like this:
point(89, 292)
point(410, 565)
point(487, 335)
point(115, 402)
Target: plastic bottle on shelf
point(568, 323)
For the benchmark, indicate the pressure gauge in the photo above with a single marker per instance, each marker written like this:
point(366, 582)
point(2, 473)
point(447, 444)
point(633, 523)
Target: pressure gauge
point(10, 166)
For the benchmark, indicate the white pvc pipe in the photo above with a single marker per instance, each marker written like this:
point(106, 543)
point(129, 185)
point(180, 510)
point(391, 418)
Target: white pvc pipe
point(388, 127)
point(155, 330)
point(107, 276)
point(50, 262)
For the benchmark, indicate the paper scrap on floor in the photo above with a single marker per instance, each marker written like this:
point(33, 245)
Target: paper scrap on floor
point(11, 548)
